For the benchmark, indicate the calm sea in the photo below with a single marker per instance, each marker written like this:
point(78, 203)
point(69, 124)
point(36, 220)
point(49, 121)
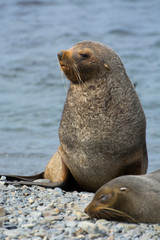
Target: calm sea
point(32, 93)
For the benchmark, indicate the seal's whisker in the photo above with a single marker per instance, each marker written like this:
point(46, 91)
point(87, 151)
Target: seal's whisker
point(106, 215)
point(78, 74)
point(76, 68)
point(65, 86)
point(75, 72)
point(116, 215)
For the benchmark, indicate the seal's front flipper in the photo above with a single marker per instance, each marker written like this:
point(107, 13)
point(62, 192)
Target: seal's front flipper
point(66, 183)
point(11, 177)
point(37, 183)
point(58, 173)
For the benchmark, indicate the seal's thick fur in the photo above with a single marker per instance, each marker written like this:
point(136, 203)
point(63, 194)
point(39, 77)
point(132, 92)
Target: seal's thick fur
point(102, 130)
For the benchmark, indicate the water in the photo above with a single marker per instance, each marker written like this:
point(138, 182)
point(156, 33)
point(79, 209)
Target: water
point(31, 90)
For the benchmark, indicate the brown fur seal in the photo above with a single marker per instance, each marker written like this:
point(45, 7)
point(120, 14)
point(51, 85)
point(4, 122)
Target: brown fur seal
point(128, 198)
point(102, 129)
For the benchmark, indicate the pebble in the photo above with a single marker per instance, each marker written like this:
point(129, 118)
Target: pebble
point(2, 212)
point(39, 213)
point(3, 178)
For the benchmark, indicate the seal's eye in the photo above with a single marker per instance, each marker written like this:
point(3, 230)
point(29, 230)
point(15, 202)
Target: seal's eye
point(84, 55)
point(104, 197)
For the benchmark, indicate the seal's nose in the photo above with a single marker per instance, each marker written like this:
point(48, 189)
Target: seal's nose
point(60, 54)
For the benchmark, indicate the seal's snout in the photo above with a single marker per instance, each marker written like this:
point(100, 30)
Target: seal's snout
point(60, 54)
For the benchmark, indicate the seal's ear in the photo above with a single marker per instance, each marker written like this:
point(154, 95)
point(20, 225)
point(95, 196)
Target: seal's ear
point(123, 189)
point(106, 66)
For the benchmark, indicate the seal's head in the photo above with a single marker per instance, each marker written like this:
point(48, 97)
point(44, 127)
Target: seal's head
point(86, 60)
point(107, 204)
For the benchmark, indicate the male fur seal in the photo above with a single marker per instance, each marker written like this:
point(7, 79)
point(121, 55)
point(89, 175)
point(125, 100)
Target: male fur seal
point(129, 199)
point(102, 129)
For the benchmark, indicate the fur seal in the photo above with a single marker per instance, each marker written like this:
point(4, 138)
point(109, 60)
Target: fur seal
point(102, 129)
point(128, 198)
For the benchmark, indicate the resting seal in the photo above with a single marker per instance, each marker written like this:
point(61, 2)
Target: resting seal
point(102, 129)
point(128, 198)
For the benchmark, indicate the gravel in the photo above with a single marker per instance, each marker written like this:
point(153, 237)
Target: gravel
point(39, 213)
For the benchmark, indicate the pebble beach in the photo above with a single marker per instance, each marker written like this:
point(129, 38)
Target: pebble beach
point(32, 98)
point(39, 213)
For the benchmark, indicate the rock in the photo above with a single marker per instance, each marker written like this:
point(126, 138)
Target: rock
point(13, 233)
point(57, 191)
point(2, 183)
point(11, 187)
point(3, 178)
point(111, 238)
point(31, 200)
point(52, 218)
point(80, 237)
point(119, 228)
point(52, 212)
point(35, 214)
point(3, 219)
point(88, 227)
point(40, 233)
point(103, 230)
point(78, 232)
point(28, 225)
point(157, 227)
point(59, 237)
point(71, 224)
point(2, 212)
point(94, 236)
